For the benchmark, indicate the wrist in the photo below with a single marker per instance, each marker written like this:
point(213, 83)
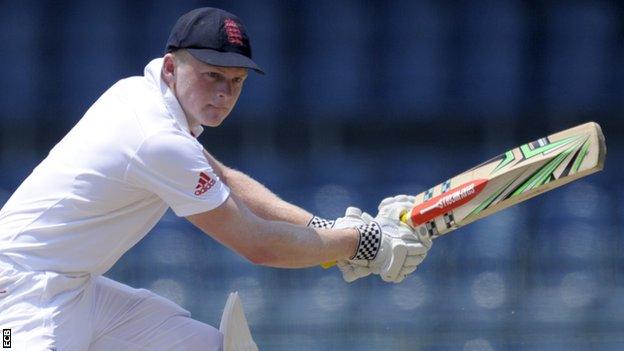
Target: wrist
point(369, 242)
point(320, 223)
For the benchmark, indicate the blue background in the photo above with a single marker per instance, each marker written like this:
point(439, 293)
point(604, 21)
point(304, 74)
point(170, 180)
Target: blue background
point(362, 100)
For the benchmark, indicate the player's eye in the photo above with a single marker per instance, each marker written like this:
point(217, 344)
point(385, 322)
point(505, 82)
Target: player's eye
point(214, 75)
point(238, 80)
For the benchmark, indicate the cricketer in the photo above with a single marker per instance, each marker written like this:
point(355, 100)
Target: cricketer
point(133, 155)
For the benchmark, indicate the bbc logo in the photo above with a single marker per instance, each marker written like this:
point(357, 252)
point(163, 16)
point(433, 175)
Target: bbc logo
point(6, 338)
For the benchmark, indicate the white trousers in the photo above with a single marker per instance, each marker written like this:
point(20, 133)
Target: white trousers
point(50, 311)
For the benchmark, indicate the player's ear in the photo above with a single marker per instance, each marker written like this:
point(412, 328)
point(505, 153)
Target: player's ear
point(168, 69)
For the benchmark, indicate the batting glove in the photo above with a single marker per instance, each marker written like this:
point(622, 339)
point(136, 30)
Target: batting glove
point(353, 269)
point(390, 249)
point(393, 207)
point(353, 218)
point(401, 249)
point(387, 247)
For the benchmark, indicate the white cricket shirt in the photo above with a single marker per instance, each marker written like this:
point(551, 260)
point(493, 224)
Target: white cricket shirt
point(109, 180)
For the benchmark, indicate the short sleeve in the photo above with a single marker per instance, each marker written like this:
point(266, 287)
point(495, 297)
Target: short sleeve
point(173, 166)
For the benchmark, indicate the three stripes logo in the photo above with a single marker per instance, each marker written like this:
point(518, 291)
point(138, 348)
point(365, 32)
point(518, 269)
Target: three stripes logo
point(203, 184)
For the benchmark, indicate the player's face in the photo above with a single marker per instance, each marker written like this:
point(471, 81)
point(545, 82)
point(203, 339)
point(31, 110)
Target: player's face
point(208, 93)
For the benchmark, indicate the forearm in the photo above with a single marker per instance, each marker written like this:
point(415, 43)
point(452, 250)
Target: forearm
point(293, 246)
point(260, 200)
point(263, 202)
point(274, 243)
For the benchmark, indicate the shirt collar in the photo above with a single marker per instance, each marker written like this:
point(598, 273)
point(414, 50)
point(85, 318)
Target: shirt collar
point(152, 73)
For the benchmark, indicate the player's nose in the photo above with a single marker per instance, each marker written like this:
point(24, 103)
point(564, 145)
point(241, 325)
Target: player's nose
point(224, 90)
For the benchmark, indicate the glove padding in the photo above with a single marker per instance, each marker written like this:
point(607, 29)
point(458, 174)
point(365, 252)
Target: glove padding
point(393, 208)
point(401, 250)
point(399, 254)
point(354, 217)
point(351, 219)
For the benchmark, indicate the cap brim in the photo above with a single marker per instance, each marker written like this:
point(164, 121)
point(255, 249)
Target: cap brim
point(224, 59)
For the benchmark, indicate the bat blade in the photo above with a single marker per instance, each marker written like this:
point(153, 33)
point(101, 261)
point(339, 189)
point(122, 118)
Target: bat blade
point(508, 179)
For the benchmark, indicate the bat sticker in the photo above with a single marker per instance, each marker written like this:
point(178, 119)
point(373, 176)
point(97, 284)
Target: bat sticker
point(446, 202)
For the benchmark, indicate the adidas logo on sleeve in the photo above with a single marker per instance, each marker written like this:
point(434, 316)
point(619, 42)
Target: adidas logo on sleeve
point(203, 184)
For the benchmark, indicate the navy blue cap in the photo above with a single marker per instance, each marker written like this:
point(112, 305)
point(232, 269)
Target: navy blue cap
point(213, 36)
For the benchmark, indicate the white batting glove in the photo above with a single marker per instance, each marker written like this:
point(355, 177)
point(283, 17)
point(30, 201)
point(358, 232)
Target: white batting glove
point(354, 269)
point(387, 247)
point(353, 218)
point(392, 207)
point(399, 251)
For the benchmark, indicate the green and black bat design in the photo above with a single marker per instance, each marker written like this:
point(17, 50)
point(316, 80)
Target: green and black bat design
point(508, 179)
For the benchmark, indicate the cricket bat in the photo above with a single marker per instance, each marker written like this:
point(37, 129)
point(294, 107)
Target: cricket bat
point(507, 179)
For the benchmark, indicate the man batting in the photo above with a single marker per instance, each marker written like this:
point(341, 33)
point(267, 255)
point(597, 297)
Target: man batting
point(133, 155)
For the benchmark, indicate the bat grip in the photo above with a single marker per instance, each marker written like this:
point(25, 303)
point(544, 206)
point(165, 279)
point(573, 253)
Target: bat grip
point(327, 265)
point(405, 216)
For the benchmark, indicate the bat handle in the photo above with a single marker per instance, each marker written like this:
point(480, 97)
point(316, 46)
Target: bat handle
point(405, 216)
point(327, 265)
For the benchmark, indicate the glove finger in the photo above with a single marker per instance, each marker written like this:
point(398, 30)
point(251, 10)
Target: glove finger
point(385, 202)
point(359, 263)
point(416, 249)
point(393, 267)
point(406, 229)
point(347, 271)
point(367, 217)
point(348, 276)
point(354, 269)
point(404, 201)
point(401, 198)
point(352, 273)
point(353, 212)
point(405, 271)
point(399, 278)
point(342, 264)
point(425, 239)
point(393, 212)
point(361, 272)
point(406, 233)
point(397, 199)
point(413, 261)
point(408, 270)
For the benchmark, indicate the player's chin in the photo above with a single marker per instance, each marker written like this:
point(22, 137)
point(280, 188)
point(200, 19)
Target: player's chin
point(214, 119)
